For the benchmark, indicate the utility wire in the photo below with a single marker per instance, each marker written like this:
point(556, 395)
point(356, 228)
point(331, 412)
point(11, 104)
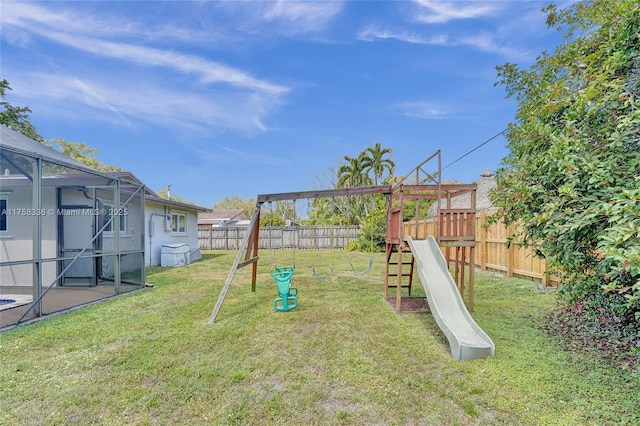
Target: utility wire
point(477, 147)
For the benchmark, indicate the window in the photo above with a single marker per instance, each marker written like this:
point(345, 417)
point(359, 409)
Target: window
point(179, 223)
point(106, 216)
point(3, 214)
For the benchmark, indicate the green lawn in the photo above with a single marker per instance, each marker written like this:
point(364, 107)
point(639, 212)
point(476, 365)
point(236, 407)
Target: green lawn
point(344, 356)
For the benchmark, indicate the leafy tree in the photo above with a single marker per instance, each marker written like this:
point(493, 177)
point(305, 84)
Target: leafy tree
point(572, 177)
point(327, 211)
point(323, 211)
point(286, 210)
point(234, 202)
point(164, 193)
point(17, 118)
point(377, 161)
point(79, 151)
point(373, 228)
point(271, 219)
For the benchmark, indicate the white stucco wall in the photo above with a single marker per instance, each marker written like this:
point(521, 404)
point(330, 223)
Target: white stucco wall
point(130, 239)
point(16, 242)
point(155, 216)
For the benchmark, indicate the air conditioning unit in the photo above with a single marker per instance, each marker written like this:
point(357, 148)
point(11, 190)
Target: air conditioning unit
point(172, 255)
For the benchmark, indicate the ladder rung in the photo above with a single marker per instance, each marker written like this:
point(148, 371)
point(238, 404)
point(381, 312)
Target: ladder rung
point(402, 275)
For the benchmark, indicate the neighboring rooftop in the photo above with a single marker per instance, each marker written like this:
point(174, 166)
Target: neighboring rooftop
point(485, 183)
point(222, 217)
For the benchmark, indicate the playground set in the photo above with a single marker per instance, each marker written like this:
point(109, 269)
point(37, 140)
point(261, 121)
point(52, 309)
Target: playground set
point(405, 254)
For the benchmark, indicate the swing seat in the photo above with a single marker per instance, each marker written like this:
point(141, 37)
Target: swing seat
point(361, 272)
point(320, 277)
point(287, 299)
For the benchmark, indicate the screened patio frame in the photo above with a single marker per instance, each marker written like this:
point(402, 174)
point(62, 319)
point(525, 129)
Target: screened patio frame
point(28, 167)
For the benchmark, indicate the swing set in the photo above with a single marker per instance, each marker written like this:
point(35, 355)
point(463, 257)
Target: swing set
point(454, 229)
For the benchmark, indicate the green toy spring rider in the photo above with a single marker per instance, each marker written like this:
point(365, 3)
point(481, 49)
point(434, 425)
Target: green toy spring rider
point(288, 295)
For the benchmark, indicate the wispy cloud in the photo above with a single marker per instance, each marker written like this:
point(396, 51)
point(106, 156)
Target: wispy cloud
point(127, 102)
point(95, 98)
point(490, 43)
point(55, 27)
point(208, 71)
point(283, 17)
point(216, 96)
point(485, 41)
point(373, 33)
point(436, 12)
point(30, 16)
point(253, 157)
point(440, 12)
point(424, 110)
point(302, 16)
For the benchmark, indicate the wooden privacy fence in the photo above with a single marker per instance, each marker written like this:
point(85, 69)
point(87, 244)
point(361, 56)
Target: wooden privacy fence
point(280, 237)
point(493, 251)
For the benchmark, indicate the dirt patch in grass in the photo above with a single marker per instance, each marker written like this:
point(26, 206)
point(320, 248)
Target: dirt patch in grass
point(410, 304)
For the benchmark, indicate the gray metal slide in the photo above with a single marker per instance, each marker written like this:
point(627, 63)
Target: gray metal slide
point(466, 339)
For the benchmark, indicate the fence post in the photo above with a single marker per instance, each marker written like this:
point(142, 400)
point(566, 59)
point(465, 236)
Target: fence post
point(484, 245)
point(510, 252)
point(546, 279)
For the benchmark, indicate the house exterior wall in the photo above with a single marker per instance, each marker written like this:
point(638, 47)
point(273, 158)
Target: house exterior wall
point(158, 233)
point(130, 240)
point(16, 242)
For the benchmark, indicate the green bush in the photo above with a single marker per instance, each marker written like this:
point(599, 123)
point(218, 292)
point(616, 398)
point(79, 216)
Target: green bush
point(572, 177)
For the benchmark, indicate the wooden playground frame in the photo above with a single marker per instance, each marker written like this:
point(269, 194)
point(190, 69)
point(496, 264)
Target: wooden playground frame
point(456, 228)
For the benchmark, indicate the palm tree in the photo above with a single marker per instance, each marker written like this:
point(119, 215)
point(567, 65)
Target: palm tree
point(376, 162)
point(351, 173)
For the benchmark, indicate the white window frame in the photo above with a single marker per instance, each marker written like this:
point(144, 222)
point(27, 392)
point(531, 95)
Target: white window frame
point(175, 220)
point(109, 229)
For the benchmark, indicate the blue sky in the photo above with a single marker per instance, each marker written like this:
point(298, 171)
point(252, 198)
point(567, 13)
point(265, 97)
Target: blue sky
point(246, 98)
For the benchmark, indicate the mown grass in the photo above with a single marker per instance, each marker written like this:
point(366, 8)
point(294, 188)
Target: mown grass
point(344, 356)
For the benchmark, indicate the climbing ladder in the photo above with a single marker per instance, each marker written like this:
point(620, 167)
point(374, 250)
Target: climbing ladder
point(399, 269)
point(400, 262)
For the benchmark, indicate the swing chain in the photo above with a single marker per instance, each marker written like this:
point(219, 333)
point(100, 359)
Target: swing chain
point(295, 234)
point(273, 254)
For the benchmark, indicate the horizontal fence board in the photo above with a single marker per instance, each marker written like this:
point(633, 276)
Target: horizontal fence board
point(280, 237)
point(492, 249)
point(490, 266)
